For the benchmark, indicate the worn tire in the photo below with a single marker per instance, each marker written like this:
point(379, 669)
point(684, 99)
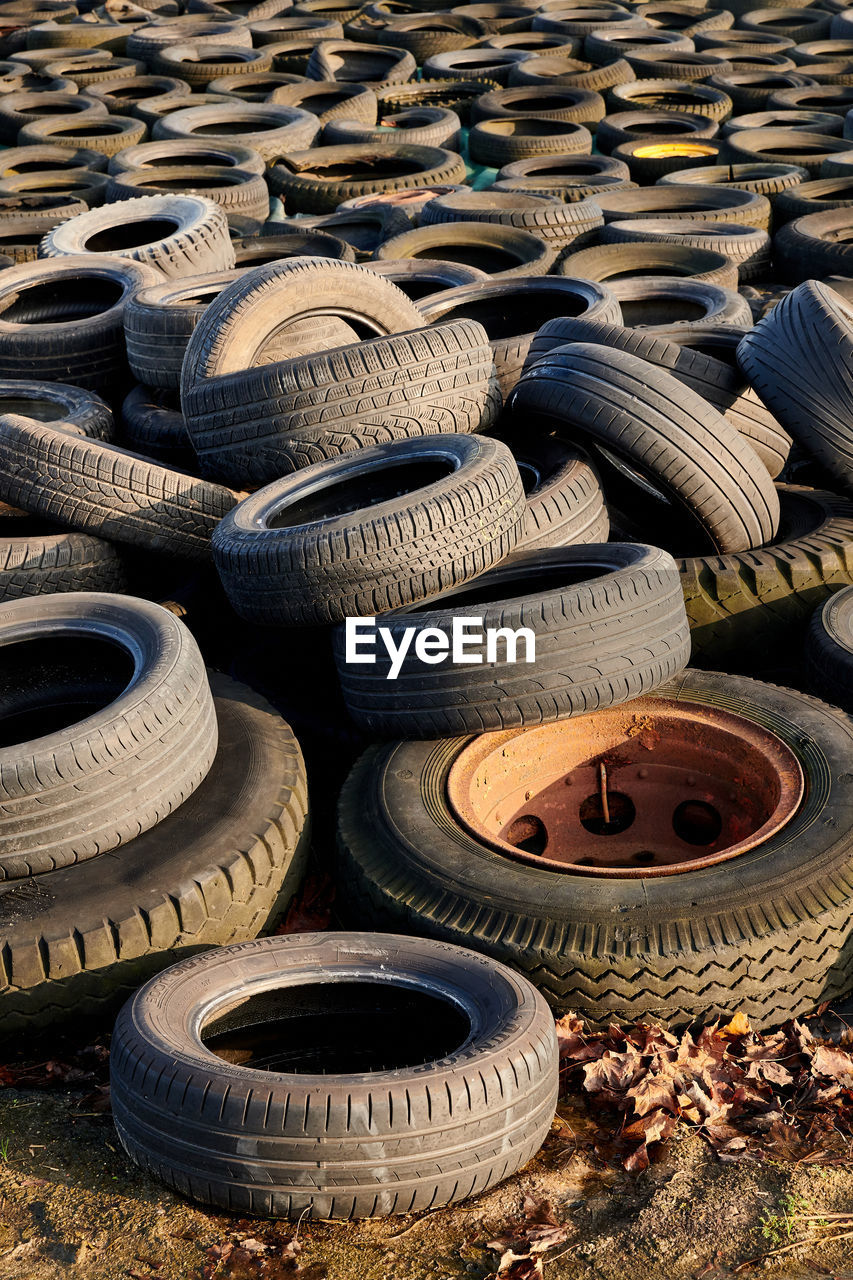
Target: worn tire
point(565, 500)
point(829, 649)
point(142, 734)
point(82, 413)
point(467, 517)
point(37, 558)
point(304, 191)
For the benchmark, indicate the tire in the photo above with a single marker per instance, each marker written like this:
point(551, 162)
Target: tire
point(37, 558)
point(369, 64)
point(329, 100)
point(217, 870)
point(80, 412)
point(608, 624)
point(671, 95)
point(122, 95)
point(663, 430)
point(768, 939)
point(720, 204)
point(755, 90)
point(798, 25)
point(799, 359)
point(492, 1098)
point(269, 130)
point(571, 179)
point(180, 235)
point(142, 734)
point(502, 252)
point(453, 94)
point(791, 121)
point(99, 488)
point(815, 246)
point(198, 64)
point(652, 64)
point(417, 127)
point(747, 610)
point(606, 263)
point(421, 280)
point(747, 247)
point(152, 425)
point(242, 197)
point(548, 218)
point(87, 187)
point(705, 370)
point(831, 98)
point(257, 86)
point(15, 161)
point(821, 196)
point(62, 321)
point(549, 102)
point(468, 517)
point(783, 146)
point(770, 180)
point(652, 302)
point(187, 151)
point(108, 134)
point(145, 42)
point(494, 143)
point(829, 649)
point(259, 251)
point(158, 322)
point(468, 64)
point(422, 35)
point(253, 428)
point(565, 70)
point(300, 182)
point(649, 161)
point(361, 226)
point(565, 500)
point(655, 126)
point(511, 311)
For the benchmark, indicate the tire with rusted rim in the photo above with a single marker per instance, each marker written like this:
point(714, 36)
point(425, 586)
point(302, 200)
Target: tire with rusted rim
point(759, 923)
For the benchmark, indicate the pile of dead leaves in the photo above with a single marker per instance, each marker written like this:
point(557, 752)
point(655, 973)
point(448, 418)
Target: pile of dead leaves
point(245, 1257)
point(786, 1094)
point(525, 1240)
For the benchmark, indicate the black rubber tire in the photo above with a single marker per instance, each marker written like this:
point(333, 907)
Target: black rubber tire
point(698, 98)
point(797, 24)
point(447, 1131)
point(189, 234)
point(706, 372)
point(791, 121)
point(78, 184)
point(368, 561)
point(753, 90)
point(148, 39)
point(548, 102)
point(768, 940)
point(835, 99)
point(98, 488)
point(799, 358)
point(122, 95)
point(565, 70)
point(467, 64)
point(79, 412)
point(217, 870)
point(415, 127)
point(573, 178)
point(107, 134)
point(820, 196)
point(611, 628)
point(188, 151)
point(362, 226)
point(829, 650)
point(421, 280)
point(695, 203)
point(19, 160)
point(747, 611)
point(748, 247)
point(19, 109)
point(565, 500)
point(454, 94)
point(299, 182)
point(783, 146)
point(259, 251)
point(663, 430)
point(329, 100)
point(649, 161)
point(655, 126)
point(198, 64)
point(769, 180)
point(512, 310)
point(252, 428)
point(62, 321)
point(269, 130)
point(547, 217)
point(815, 246)
point(502, 251)
point(152, 424)
point(652, 64)
point(423, 35)
point(243, 197)
point(662, 302)
point(495, 143)
point(142, 734)
point(353, 63)
point(37, 558)
point(158, 321)
point(610, 262)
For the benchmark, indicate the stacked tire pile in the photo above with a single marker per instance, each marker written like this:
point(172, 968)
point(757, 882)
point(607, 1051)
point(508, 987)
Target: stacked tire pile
point(333, 338)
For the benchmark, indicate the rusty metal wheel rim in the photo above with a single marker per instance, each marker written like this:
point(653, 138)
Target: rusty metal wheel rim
point(650, 788)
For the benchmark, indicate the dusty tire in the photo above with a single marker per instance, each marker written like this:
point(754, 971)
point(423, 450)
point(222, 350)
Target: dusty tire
point(447, 1130)
point(299, 182)
point(769, 941)
point(606, 263)
point(37, 558)
point(467, 510)
point(661, 428)
point(82, 413)
point(612, 628)
point(142, 734)
point(152, 424)
point(747, 247)
point(501, 251)
point(217, 870)
point(829, 649)
point(101, 489)
point(565, 500)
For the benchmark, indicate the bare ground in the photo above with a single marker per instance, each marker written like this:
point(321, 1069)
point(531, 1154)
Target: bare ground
point(72, 1207)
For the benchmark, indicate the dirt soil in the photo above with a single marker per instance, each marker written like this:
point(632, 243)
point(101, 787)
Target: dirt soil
point(73, 1207)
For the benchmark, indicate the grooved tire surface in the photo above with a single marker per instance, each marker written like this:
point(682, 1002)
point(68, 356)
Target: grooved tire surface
point(745, 609)
point(613, 629)
point(239, 1137)
point(719, 383)
point(189, 234)
point(829, 649)
point(252, 427)
point(769, 939)
point(217, 870)
point(36, 558)
point(98, 488)
point(547, 217)
point(82, 413)
point(799, 358)
point(565, 501)
point(661, 428)
point(464, 516)
point(499, 250)
point(748, 247)
point(606, 263)
point(136, 750)
point(298, 179)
